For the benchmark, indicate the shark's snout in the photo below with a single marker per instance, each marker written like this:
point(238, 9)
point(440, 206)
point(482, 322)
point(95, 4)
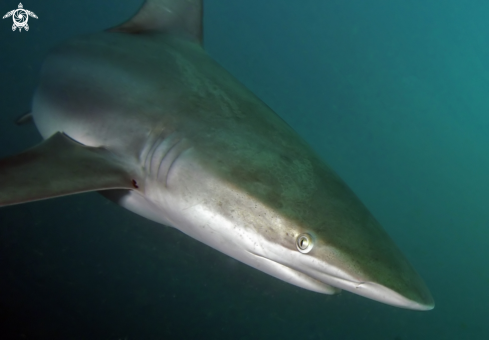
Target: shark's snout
point(397, 285)
point(423, 301)
point(415, 296)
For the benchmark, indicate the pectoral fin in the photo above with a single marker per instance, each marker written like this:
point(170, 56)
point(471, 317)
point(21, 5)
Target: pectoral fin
point(60, 166)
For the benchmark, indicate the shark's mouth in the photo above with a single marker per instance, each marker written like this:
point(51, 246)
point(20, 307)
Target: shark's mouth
point(296, 277)
point(326, 278)
point(368, 289)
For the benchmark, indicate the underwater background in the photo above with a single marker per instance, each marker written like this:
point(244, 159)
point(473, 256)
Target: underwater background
point(393, 94)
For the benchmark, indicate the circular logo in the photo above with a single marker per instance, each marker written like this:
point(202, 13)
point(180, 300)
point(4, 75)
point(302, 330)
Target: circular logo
point(20, 17)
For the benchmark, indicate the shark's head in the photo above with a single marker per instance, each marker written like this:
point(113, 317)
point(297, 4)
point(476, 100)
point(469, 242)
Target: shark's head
point(332, 238)
point(348, 251)
point(280, 209)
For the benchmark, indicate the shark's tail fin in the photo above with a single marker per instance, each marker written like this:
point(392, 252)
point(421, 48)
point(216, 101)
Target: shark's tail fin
point(175, 16)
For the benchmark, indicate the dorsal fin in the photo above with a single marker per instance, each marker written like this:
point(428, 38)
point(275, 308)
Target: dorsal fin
point(179, 16)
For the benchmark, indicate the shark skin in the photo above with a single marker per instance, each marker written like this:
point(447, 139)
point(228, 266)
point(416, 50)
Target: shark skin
point(142, 114)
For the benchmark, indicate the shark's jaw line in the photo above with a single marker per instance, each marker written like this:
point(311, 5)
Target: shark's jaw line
point(305, 272)
point(365, 288)
point(325, 288)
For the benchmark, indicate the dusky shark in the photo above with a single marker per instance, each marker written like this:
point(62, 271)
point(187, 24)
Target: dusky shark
point(142, 114)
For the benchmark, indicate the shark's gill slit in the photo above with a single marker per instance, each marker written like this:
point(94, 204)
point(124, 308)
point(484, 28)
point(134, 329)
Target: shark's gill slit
point(178, 154)
point(166, 154)
point(162, 147)
point(149, 152)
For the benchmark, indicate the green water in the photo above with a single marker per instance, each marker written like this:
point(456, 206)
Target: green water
point(394, 95)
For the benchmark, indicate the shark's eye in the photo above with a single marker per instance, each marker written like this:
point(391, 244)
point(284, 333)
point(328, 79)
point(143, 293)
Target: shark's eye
point(304, 243)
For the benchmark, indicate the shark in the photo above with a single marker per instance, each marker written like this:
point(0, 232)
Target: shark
point(143, 115)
